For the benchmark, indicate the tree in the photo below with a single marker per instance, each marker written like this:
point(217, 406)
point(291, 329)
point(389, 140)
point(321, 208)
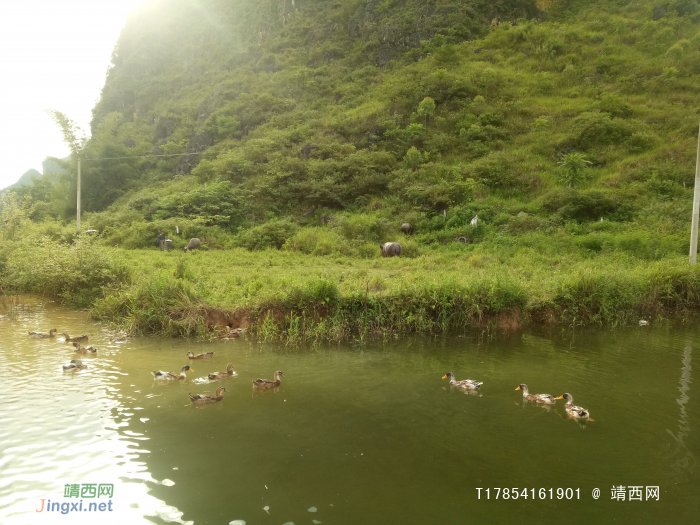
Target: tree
point(14, 216)
point(573, 169)
point(73, 136)
point(426, 108)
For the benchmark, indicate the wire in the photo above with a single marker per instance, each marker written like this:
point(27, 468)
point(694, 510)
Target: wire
point(147, 156)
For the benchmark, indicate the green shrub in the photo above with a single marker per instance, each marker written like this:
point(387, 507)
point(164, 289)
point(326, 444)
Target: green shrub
point(583, 206)
point(366, 227)
point(573, 168)
point(318, 241)
point(272, 234)
point(595, 128)
point(521, 225)
point(76, 275)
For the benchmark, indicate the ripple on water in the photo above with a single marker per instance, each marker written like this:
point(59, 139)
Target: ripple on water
point(390, 406)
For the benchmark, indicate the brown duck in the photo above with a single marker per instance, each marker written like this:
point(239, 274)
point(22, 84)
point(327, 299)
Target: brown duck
point(545, 399)
point(79, 338)
point(43, 335)
point(220, 375)
point(75, 364)
point(201, 399)
point(80, 350)
point(167, 376)
point(205, 355)
point(266, 383)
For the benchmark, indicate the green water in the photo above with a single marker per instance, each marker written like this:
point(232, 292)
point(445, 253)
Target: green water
point(363, 435)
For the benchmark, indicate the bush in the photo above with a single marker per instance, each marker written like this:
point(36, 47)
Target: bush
point(76, 275)
point(272, 234)
point(366, 227)
point(573, 168)
point(318, 241)
point(521, 225)
point(584, 206)
point(595, 128)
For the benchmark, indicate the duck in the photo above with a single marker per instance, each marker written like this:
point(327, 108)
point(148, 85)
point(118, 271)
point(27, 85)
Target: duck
point(266, 383)
point(87, 350)
point(117, 340)
point(43, 335)
point(234, 333)
point(167, 376)
point(205, 355)
point(201, 399)
point(574, 410)
point(221, 375)
point(79, 338)
point(536, 398)
point(466, 383)
point(75, 364)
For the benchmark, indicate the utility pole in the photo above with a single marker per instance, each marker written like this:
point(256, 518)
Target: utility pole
point(78, 221)
point(696, 209)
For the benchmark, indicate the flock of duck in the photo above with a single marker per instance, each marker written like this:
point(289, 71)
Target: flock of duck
point(572, 410)
point(198, 399)
point(75, 364)
point(201, 399)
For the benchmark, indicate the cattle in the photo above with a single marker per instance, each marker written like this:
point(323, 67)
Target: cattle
point(406, 228)
point(168, 244)
point(194, 244)
point(391, 249)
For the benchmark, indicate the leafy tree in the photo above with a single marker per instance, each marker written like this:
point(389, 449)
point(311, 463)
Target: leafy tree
point(14, 216)
point(414, 158)
point(73, 136)
point(427, 109)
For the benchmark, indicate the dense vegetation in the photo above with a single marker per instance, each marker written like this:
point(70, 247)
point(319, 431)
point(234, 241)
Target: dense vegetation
point(567, 127)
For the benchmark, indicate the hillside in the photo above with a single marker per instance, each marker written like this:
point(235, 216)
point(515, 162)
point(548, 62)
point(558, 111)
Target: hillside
point(317, 128)
point(25, 179)
point(318, 107)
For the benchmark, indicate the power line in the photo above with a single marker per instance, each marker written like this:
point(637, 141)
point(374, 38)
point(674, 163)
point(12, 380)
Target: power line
point(148, 156)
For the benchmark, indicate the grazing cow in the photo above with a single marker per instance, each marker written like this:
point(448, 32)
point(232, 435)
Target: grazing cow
point(169, 244)
point(391, 249)
point(194, 244)
point(406, 228)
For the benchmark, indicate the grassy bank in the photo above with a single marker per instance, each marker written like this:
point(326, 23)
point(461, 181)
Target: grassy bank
point(287, 295)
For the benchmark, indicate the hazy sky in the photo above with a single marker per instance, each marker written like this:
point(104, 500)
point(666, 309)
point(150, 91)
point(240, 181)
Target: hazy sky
point(54, 54)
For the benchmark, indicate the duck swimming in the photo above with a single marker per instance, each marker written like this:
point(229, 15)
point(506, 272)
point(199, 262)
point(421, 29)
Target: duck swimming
point(171, 375)
point(205, 355)
point(75, 364)
point(466, 383)
point(201, 399)
point(573, 410)
point(80, 350)
point(262, 384)
point(43, 335)
point(220, 375)
point(536, 398)
point(68, 338)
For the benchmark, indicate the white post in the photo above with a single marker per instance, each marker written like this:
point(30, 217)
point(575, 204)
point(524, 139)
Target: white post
point(696, 209)
point(78, 221)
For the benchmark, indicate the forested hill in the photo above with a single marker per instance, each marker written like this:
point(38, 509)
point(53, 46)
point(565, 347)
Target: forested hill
point(533, 115)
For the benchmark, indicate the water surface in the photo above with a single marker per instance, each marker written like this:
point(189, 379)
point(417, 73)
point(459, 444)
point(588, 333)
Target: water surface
point(365, 435)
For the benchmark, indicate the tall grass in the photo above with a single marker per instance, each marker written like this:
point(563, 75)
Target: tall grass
point(75, 274)
point(297, 298)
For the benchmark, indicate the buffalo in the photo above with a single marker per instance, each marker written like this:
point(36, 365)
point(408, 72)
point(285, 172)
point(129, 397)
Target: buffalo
point(391, 249)
point(194, 244)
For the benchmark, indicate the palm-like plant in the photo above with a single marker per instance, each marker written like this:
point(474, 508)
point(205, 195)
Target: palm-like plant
point(573, 168)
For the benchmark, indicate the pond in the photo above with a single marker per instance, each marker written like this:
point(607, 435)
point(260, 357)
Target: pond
point(354, 434)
